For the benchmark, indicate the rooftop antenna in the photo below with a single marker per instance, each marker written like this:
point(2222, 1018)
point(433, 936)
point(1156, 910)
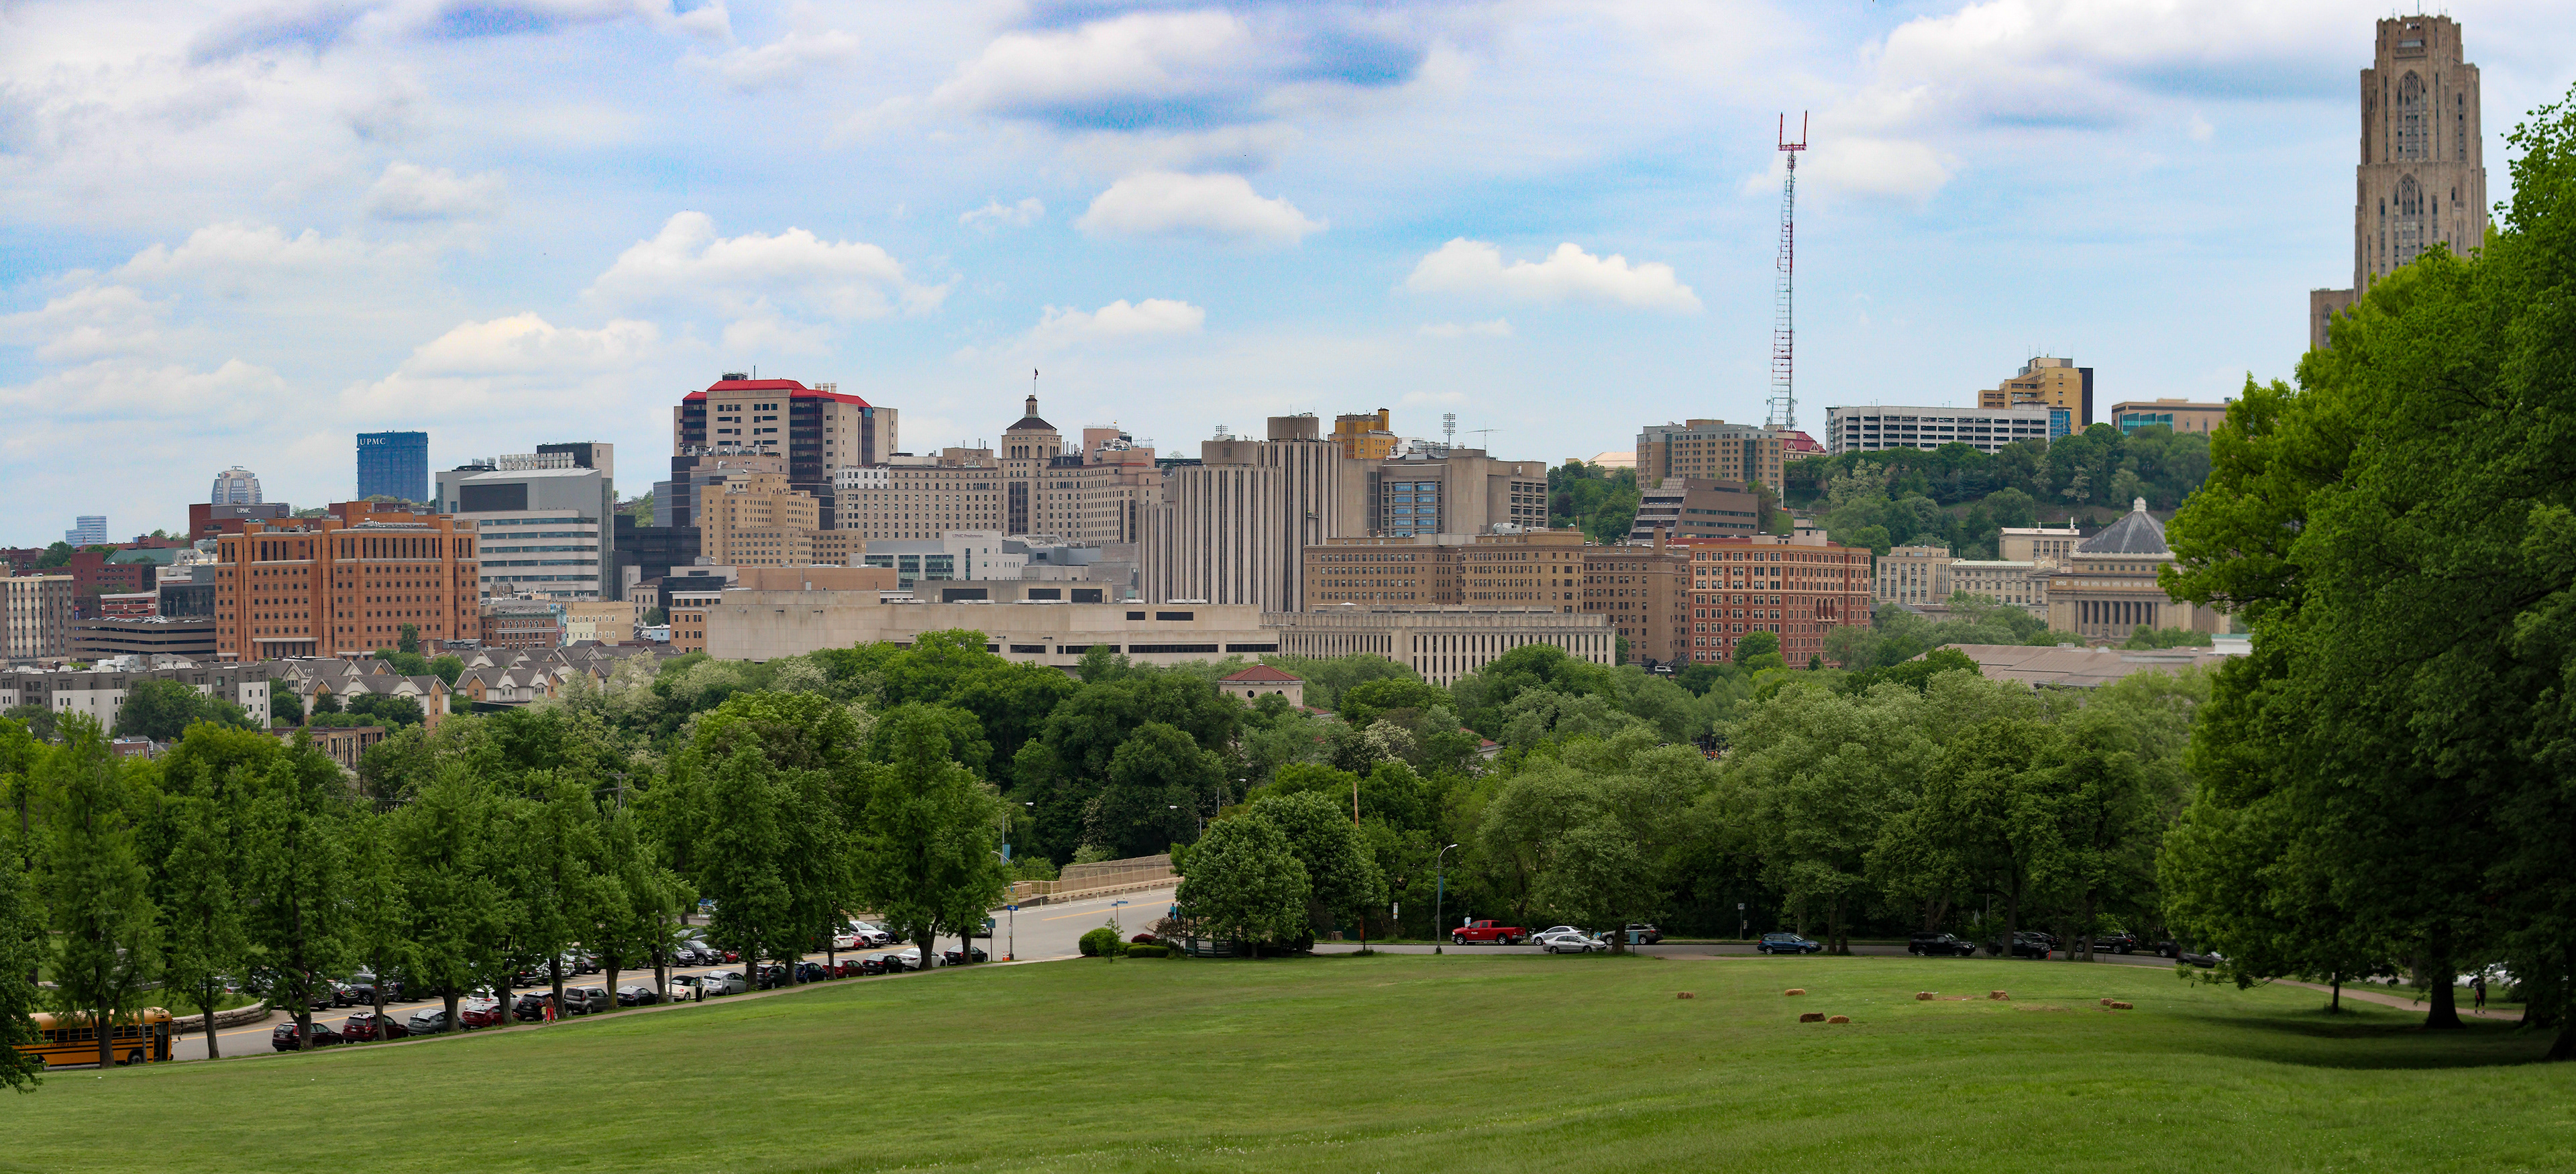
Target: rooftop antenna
point(1448, 429)
point(1784, 334)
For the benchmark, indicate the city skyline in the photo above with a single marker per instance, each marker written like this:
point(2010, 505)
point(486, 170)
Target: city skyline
point(428, 217)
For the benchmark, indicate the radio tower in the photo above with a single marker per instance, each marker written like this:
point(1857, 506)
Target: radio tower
point(1784, 334)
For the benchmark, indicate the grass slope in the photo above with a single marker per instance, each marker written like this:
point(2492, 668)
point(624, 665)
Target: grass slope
point(1386, 1063)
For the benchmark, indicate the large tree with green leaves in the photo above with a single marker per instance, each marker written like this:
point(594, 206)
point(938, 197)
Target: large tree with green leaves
point(927, 856)
point(1342, 878)
point(1812, 779)
point(441, 840)
point(97, 891)
point(294, 869)
point(1245, 884)
point(202, 905)
point(22, 948)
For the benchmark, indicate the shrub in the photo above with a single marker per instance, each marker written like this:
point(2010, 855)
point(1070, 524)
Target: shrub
point(1143, 939)
point(1099, 942)
point(1146, 951)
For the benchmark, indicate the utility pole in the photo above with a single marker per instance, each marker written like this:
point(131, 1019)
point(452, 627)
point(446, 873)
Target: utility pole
point(1784, 399)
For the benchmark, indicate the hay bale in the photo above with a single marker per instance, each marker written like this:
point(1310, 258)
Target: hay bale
point(1795, 990)
point(1997, 996)
point(1684, 995)
point(1923, 996)
point(1839, 1019)
point(2106, 1001)
point(1812, 1017)
point(2122, 1007)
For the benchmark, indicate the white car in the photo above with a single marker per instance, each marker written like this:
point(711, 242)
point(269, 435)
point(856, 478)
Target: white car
point(903, 959)
point(870, 934)
point(1568, 940)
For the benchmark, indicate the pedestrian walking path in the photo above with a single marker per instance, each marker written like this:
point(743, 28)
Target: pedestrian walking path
point(2409, 1003)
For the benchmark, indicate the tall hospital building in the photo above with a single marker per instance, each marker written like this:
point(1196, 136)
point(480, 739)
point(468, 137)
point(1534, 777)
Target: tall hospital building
point(2422, 179)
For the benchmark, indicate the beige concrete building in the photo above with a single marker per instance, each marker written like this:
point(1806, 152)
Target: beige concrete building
point(2023, 584)
point(765, 625)
point(1443, 643)
point(2179, 415)
point(39, 617)
point(1644, 591)
point(2039, 544)
point(1456, 491)
point(1541, 568)
point(2108, 589)
point(1231, 529)
point(2087, 668)
point(2046, 382)
point(2422, 177)
point(1713, 449)
point(607, 621)
point(817, 429)
point(762, 520)
point(1695, 507)
point(1916, 575)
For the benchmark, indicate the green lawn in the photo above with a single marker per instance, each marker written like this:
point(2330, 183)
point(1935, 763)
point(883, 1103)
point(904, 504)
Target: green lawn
point(1391, 1062)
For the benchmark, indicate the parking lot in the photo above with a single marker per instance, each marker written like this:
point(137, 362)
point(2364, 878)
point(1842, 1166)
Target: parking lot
point(1038, 934)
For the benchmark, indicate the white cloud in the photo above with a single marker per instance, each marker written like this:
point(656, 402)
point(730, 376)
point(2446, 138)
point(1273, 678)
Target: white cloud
point(236, 257)
point(520, 359)
point(993, 214)
point(527, 344)
point(1497, 328)
point(757, 275)
point(1900, 169)
point(1568, 274)
point(1215, 207)
point(410, 192)
point(1136, 60)
point(1060, 325)
point(118, 388)
point(782, 62)
point(89, 323)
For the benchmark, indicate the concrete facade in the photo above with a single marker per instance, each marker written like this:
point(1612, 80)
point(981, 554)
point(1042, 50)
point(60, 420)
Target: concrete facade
point(1443, 643)
point(765, 625)
point(39, 617)
point(546, 531)
point(1714, 449)
point(2108, 589)
point(1875, 428)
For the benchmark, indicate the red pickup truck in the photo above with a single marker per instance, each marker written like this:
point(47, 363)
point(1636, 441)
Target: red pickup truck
point(1492, 933)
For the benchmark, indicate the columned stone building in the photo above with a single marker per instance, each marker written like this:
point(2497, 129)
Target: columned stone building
point(2108, 589)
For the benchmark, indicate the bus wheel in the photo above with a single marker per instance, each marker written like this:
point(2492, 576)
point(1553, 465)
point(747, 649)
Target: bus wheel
point(134, 1057)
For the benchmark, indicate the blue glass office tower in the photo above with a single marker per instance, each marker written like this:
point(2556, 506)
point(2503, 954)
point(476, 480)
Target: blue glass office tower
point(394, 464)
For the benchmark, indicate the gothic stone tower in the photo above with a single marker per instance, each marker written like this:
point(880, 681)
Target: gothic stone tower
point(2422, 179)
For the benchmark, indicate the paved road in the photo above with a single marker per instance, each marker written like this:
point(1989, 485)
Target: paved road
point(1038, 934)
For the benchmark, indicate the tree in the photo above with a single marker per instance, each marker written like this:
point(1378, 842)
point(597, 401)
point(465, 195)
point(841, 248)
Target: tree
point(293, 871)
point(97, 893)
point(1244, 883)
point(1986, 820)
point(642, 901)
point(409, 642)
point(203, 906)
point(57, 554)
point(1159, 783)
point(928, 856)
point(379, 926)
point(1342, 880)
point(451, 899)
point(162, 710)
point(386, 710)
point(1814, 778)
point(1753, 644)
point(22, 947)
point(559, 850)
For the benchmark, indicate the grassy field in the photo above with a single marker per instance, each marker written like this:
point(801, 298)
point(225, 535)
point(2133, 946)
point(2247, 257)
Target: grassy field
point(1393, 1062)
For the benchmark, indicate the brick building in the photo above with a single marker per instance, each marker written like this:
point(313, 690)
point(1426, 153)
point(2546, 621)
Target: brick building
point(1799, 587)
point(344, 584)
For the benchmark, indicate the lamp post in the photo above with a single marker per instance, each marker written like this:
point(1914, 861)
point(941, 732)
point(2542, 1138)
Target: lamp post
point(1439, 897)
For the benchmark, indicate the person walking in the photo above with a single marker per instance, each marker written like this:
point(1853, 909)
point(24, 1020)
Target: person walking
point(2478, 989)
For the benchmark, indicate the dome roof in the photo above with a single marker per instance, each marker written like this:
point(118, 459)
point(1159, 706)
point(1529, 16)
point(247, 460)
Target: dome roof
point(2138, 533)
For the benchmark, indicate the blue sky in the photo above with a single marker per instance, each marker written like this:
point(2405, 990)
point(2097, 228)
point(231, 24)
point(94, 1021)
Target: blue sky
point(240, 233)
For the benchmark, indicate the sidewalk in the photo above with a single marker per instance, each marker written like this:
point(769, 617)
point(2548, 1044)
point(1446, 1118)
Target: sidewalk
point(2407, 1003)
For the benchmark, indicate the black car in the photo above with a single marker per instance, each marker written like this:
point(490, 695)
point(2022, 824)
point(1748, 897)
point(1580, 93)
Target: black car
point(2205, 959)
point(1932, 945)
point(1786, 943)
point(2025, 945)
point(284, 1039)
point(531, 1007)
point(2114, 943)
point(960, 957)
point(637, 994)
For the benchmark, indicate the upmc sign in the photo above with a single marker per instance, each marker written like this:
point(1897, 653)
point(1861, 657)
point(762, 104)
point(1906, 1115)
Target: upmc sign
point(373, 441)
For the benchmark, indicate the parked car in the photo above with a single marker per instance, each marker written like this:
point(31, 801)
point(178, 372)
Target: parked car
point(857, 967)
point(428, 1022)
point(474, 1013)
point(284, 1038)
point(532, 976)
point(365, 1025)
point(848, 941)
point(2115, 943)
point(961, 957)
point(636, 994)
point(684, 988)
point(1786, 943)
point(897, 961)
point(1642, 934)
point(1567, 940)
point(2025, 945)
point(871, 934)
point(531, 1007)
point(724, 982)
point(2203, 959)
point(582, 1000)
point(1932, 945)
point(1489, 933)
point(360, 993)
point(588, 962)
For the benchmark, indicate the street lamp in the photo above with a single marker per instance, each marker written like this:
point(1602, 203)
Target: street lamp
point(1439, 896)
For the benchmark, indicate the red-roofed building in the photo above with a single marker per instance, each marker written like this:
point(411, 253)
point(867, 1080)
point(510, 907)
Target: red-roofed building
point(816, 428)
point(1261, 681)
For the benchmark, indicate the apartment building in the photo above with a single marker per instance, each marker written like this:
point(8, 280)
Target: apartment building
point(1232, 528)
point(1693, 507)
point(1875, 427)
point(346, 583)
point(817, 429)
point(39, 617)
point(1645, 593)
point(1713, 449)
point(2046, 382)
point(523, 623)
point(2177, 414)
point(1798, 587)
point(101, 694)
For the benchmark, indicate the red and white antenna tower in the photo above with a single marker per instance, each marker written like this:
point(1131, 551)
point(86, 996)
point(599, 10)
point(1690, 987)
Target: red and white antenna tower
point(1784, 334)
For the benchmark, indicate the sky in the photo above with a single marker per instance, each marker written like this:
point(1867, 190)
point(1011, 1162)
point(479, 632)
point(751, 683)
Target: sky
point(241, 233)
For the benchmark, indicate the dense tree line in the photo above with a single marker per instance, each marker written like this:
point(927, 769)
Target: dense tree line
point(1959, 497)
point(2383, 784)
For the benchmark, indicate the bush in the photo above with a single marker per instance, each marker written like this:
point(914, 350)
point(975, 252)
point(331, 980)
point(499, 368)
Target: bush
point(1138, 950)
point(1100, 942)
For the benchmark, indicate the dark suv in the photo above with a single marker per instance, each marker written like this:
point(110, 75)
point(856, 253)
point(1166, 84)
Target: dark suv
point(283, 1039)
point(2025, 945)
point(1786, 943)
point(2114, 943)
point(531, 1007)
point(1939, 944)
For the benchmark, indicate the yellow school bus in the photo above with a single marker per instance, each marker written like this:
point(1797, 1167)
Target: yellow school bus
point(60, 1040)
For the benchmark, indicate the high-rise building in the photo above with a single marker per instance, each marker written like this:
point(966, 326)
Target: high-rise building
point(1365, 436)
point(1709, 448)
point(39, 617)
point(2179, 415)
point(816, 428)
point(2046, 381)
point(87, 530)
point(1231, 528)
point(344, 584)
point(1442, 491)
point(1876, 427)
point(2422, 178)
point(393, 464)
point(235, 486)
point(546, 531)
